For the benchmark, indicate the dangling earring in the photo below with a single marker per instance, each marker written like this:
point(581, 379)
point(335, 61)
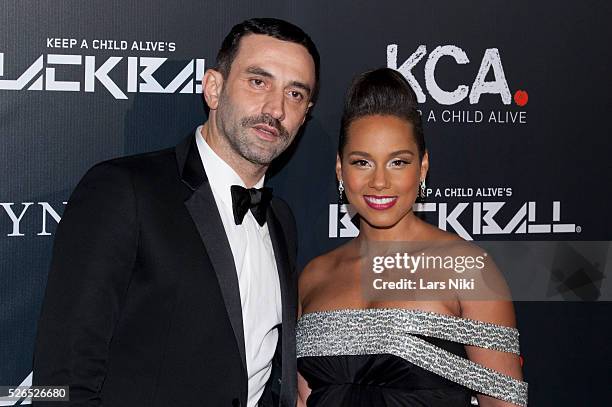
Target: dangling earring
point(422, 189)
point(340, 191)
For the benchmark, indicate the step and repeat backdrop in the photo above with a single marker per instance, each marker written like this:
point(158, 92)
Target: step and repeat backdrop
point(515, 99)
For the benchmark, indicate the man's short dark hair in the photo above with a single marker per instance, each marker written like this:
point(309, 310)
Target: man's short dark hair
point(273, 27)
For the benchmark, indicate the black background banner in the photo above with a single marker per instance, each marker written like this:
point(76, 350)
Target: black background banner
point(515, 98)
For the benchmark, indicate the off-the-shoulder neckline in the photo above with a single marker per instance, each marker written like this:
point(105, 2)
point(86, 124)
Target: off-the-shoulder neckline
point(401, 310)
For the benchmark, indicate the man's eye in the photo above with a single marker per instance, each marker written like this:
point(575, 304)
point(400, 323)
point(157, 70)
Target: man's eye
point(296, 95)
point(257, 83)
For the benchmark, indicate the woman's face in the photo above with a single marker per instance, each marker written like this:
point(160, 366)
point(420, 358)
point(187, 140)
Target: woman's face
point(381, 169)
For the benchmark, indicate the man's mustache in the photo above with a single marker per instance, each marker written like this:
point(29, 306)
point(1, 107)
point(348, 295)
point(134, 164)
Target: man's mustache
point(268, 121)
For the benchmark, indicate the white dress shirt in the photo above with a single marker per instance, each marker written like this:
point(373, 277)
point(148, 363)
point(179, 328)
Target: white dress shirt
point(257, 273)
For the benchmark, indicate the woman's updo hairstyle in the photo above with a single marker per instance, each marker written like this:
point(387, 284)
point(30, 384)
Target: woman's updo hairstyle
point(384, 92)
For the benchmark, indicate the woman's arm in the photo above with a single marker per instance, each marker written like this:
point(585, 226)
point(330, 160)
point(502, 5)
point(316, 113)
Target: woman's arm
point(500, 313)
point(490, 302)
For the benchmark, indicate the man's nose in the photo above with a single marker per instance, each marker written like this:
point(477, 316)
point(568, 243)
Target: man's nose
point(275, 105)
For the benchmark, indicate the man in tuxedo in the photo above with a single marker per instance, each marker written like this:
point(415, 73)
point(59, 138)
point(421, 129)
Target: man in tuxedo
point(173, 281)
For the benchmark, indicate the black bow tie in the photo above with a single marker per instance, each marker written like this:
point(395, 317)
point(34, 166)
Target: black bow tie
point(257, 200)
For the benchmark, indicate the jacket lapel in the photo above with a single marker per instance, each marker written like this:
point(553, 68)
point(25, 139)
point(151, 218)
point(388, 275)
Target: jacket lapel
point(288, 287)
point(205, 214)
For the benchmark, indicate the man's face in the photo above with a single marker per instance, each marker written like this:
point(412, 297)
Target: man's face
point(264, 100)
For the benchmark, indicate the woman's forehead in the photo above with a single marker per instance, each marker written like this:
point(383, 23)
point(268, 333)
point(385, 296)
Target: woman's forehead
point(380, 133)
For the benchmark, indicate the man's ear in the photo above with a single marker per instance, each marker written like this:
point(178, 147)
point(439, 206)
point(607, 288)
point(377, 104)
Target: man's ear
point(306, 113)
point(212, 84)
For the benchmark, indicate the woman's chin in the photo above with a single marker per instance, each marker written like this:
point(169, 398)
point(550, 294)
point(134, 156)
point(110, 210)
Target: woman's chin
point(380, 222)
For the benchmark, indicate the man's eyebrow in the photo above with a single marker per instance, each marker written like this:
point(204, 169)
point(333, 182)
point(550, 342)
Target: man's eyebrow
point(302, 86)
point(255, 70)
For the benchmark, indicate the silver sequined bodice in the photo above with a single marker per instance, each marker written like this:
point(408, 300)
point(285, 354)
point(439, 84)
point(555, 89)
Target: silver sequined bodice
point(392, 331)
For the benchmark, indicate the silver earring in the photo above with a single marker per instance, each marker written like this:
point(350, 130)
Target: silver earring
point(422, 189)
point(340, 191)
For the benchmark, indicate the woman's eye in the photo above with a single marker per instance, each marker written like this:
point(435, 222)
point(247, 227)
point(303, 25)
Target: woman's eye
point(399, 163)
point(360, 163)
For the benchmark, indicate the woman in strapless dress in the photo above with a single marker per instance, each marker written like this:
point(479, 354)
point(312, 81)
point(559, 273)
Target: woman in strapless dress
point(413, 350)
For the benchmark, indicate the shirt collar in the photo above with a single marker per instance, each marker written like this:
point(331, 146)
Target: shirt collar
point(220, 174)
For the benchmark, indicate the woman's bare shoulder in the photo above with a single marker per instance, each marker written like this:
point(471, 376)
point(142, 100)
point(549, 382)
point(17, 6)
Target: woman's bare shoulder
point(321, 268)
point(433, 233)
point(322, 264)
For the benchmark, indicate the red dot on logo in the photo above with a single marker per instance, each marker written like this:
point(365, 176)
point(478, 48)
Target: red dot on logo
point(521, 97)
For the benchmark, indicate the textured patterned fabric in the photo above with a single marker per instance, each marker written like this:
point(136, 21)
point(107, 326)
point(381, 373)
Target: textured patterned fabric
point(391, 331)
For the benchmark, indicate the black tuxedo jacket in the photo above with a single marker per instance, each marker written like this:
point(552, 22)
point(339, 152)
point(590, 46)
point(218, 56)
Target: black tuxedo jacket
point(142, 306)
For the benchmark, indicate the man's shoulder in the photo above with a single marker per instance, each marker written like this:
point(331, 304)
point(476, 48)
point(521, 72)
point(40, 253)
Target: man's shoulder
point(157, 169)
point(146, 161)
point(150, 164)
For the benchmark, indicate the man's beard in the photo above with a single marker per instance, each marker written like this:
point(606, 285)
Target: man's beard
point(236, 132)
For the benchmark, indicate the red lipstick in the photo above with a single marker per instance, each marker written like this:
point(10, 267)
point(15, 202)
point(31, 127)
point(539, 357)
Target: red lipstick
point(380, 202)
